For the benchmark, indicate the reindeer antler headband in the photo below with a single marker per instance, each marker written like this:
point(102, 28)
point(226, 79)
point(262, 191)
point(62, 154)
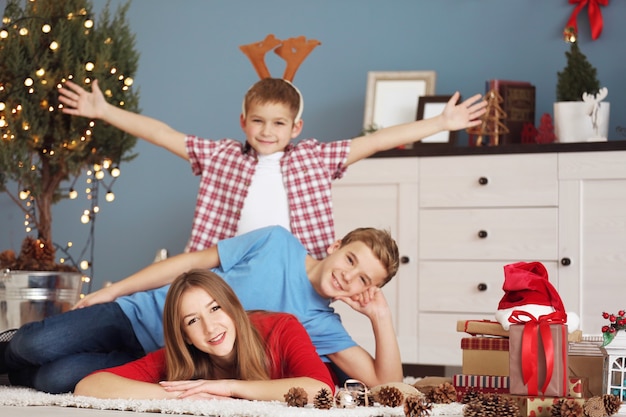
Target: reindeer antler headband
point(293, 50)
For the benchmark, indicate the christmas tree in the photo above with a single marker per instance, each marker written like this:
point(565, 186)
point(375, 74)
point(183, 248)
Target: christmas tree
point(578, 77)
point(42, 152)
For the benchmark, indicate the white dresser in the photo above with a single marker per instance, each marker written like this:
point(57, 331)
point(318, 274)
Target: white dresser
point(459, 219)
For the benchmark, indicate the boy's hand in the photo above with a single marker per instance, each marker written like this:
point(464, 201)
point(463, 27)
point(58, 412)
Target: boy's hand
point(79, 102)
point(464, 115)
point(370, 302)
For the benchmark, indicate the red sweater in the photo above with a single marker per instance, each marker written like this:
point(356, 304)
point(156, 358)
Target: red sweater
point(285, 338)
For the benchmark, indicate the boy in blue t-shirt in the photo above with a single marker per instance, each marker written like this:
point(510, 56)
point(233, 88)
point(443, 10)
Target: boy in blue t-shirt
point(268, 268)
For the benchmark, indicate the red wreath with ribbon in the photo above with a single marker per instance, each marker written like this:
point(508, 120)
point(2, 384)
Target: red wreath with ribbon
point(595, 19)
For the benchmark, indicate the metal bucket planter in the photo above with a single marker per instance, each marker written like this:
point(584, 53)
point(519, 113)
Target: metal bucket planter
point(27, 296)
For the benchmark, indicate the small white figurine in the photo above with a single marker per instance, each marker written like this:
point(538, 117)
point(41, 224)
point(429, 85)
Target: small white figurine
point(593, 107)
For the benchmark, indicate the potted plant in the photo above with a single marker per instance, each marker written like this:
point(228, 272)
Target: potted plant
point(578, 114)
point(43, 151)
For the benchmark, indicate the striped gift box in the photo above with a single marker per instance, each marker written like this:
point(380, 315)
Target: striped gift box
point(485, 343)
point(480, 381)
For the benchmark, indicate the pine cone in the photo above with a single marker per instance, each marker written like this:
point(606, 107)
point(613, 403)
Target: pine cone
point(390, 397)
point(7, 259)
point(569, 408)
point(45, 253)
point(506, 407)
point(471, 395)
point(612, 403)
point(443, 394)
point(473, 408)
point(555, 411)
point(296, 397)
point(491, 405)
point(594, 407)
point(323, 399)
point(415, 406)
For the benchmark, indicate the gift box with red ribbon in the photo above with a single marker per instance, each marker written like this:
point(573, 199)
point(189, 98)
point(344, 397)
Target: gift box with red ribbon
point(538, 355)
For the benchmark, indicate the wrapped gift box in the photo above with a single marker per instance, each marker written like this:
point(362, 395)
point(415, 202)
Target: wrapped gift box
point(493, 328)
point(487, 384)
point(591, 368)
point(481, 327)
point(578, 387)
point(485, 356)
point(530, 406)
point(586, 360)
point(532, 354)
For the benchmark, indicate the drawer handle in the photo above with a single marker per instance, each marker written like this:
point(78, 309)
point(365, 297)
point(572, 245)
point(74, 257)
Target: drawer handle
point(482, 287)
point(483, 180)
point(566, 261)
point(404, 259)
point(482, 234)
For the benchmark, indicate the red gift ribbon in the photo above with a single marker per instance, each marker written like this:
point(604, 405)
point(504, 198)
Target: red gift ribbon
point(595, 16)
point(530, 346)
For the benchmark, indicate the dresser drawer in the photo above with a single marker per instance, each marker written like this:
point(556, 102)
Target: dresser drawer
point(489, 181)
point(466, 287)
point(488, 234)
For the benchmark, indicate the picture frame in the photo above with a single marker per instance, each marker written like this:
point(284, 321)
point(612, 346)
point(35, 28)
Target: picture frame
point(430, 106)
point(391, 96)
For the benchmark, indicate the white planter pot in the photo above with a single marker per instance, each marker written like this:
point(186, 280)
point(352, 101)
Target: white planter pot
point(573, 124)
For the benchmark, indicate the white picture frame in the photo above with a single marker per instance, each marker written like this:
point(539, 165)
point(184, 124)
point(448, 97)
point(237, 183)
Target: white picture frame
point(392, 96)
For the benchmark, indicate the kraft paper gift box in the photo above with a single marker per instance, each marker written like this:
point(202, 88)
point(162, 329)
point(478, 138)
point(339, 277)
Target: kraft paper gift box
point(530, 406)
point(591, 368)
point(481, 327)
point(485, 356)
point(487, 384)
point(538, 359)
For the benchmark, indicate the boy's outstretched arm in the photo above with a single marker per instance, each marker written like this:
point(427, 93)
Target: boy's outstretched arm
point(79, 102)
point(454, 117)
point(356, 362)
point(154, 276)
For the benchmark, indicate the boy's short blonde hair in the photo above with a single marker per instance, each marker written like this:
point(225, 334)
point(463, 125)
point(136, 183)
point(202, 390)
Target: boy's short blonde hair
point(274, 90)
point(382, 245)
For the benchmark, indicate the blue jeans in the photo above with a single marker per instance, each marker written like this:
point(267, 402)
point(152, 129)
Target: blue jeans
point(52, 355)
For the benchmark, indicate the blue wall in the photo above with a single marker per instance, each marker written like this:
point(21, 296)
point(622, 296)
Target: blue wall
point(193, 76)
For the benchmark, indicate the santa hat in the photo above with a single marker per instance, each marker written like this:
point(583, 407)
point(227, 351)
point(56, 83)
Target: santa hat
point(527, 288)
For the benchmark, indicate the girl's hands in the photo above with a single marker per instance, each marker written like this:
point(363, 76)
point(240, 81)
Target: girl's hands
point(199, 389)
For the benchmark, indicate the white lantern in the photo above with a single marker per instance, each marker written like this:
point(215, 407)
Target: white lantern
point(614, 369)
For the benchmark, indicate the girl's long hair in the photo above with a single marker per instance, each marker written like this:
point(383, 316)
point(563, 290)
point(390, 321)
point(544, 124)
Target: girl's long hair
point(185, 361)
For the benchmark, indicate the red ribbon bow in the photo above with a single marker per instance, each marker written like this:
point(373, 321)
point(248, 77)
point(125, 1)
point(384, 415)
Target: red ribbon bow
point(530, 346)
point(595, 16)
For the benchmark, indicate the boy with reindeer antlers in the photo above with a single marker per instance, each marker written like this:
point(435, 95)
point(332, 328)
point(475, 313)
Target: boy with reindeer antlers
point(285, 184)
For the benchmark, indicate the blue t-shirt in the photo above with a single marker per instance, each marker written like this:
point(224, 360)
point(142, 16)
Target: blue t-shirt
point(266, 269)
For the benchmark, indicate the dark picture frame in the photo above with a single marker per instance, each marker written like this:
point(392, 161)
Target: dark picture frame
point(430, 106)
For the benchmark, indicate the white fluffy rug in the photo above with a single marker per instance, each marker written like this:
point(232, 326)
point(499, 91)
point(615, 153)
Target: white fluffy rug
point(16, 396)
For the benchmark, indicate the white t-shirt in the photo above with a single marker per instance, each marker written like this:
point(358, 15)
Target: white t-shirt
point(266, 203)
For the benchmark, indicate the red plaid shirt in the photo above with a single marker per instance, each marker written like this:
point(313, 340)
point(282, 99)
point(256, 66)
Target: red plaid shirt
point(226, 167)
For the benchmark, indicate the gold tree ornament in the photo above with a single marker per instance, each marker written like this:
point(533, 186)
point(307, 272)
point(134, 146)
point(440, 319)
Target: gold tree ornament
point(488, 132)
